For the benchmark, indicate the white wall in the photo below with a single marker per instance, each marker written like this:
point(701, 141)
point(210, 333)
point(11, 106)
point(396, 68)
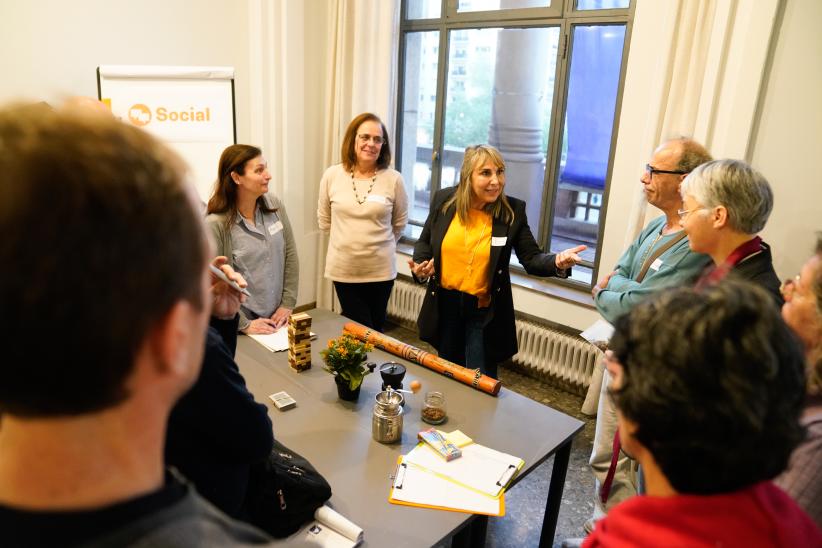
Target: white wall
point(788, 144)
point(51, 48)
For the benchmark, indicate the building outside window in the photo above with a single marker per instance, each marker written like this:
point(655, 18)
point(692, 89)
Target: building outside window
point(540, 80)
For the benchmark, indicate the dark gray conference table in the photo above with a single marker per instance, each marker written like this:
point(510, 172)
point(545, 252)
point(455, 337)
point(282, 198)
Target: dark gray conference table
point(336, 437)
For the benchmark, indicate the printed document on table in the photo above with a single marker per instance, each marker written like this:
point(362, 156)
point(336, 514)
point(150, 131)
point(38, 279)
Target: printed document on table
point(416, 486)
point(480, 468)
point(277, 341)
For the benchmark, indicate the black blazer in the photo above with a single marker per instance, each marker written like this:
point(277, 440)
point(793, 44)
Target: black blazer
point(758, 269)
point(500, 329)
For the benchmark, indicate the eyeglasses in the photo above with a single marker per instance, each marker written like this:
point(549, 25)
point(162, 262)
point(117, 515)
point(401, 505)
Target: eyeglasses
point(685, 212)
point(376, 139)
point(650, 170)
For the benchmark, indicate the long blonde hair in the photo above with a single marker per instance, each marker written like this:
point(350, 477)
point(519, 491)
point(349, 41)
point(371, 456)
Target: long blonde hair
point(475, 156)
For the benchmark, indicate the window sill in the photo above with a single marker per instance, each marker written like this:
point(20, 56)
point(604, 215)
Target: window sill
point(552, 287)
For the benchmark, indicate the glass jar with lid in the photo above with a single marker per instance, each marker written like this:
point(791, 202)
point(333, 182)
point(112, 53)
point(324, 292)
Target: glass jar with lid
point(433, 410)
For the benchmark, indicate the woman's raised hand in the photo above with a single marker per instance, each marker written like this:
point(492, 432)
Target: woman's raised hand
point(568, 258)
point(422, 270)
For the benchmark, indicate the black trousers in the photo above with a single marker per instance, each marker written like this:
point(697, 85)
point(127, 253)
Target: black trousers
point(365, 303)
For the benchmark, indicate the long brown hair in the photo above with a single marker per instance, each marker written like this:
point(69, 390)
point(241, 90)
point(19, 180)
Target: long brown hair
point(348, 153)
point(474, 156)
point(224, 199)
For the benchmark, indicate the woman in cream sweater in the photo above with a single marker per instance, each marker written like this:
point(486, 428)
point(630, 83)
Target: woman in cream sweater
point(363, 206)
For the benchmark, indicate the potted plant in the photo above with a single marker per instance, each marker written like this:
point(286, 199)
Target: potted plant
point(344, 358)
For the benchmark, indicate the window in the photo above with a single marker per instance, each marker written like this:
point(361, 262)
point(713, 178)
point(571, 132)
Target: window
point(538, 79)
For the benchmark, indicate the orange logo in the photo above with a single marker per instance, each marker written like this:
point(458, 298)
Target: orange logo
point(139, 114)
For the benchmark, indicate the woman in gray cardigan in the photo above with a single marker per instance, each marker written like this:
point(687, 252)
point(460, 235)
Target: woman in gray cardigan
point(251, 228)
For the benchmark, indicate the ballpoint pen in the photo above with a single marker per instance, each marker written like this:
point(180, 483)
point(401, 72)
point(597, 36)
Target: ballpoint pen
point(234, 285)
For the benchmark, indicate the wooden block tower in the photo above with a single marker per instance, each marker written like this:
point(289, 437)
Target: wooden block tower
point(299, 341)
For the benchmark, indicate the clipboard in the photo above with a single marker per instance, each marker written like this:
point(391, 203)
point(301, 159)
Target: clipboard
point(415, 486)
point(480, 468)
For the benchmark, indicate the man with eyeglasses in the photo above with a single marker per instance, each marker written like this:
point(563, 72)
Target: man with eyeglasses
point(658, 258)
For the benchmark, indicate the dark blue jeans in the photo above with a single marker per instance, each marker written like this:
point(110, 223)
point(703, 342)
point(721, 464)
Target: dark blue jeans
point(461, 331)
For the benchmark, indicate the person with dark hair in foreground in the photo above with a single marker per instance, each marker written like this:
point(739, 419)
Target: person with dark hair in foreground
point(708, 387)
point(104, 245)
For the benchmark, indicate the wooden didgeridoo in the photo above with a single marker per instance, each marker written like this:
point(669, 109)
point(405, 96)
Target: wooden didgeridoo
point(426, 359)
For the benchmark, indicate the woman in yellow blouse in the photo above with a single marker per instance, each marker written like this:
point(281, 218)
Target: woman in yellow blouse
point(464, 252)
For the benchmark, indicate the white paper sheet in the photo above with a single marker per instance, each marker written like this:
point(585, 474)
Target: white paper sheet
point(599, 333)
point(417, 486)
point(480, 468)
point(277, 341)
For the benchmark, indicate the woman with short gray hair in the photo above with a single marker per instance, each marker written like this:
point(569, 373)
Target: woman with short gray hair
point(726, 203)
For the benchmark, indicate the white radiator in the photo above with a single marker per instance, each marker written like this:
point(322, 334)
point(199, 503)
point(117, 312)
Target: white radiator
point(543, 350)
point(405, 302)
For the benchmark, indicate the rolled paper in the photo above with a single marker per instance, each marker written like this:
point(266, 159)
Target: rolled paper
point(467, 376)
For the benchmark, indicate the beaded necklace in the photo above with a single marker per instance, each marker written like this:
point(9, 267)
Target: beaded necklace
point(370, 188)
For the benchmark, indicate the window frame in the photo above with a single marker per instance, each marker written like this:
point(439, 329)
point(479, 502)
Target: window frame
point(566, 17)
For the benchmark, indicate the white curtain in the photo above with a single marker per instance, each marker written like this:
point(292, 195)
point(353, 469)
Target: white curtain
point(684, 59)
point(360, 77)
point(710, 75)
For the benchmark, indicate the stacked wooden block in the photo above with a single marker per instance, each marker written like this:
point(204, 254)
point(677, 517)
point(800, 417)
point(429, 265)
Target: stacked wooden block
point(299, 341)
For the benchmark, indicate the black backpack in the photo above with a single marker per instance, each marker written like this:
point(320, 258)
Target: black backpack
point(284, 492)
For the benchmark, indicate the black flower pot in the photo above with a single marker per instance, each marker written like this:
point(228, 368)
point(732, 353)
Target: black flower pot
point(345, 392)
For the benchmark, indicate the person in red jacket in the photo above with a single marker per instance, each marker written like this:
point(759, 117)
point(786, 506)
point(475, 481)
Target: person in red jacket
point(709, 386)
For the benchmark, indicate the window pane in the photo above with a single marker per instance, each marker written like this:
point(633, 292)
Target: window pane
point(500, 91)
point(493, 5)
point(593, 84)
point(419, 95)
point(602, 4)
point(423, 9)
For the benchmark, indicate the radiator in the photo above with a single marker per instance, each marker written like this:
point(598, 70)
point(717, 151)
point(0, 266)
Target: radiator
point(542, 350)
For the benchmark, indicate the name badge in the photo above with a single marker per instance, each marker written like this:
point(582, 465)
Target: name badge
point(275, 228)
point(376, 198)
point(656, 264)
point(497, 241)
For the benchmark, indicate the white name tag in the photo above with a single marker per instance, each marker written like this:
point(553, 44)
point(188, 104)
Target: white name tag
point(275, 228)
point(656, 264)
point(376, 198)
point(497, 241)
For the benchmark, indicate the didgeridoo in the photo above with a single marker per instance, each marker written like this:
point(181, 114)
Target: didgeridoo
point(426, 359)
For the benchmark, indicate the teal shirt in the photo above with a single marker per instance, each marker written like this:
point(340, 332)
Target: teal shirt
point(679, 266)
